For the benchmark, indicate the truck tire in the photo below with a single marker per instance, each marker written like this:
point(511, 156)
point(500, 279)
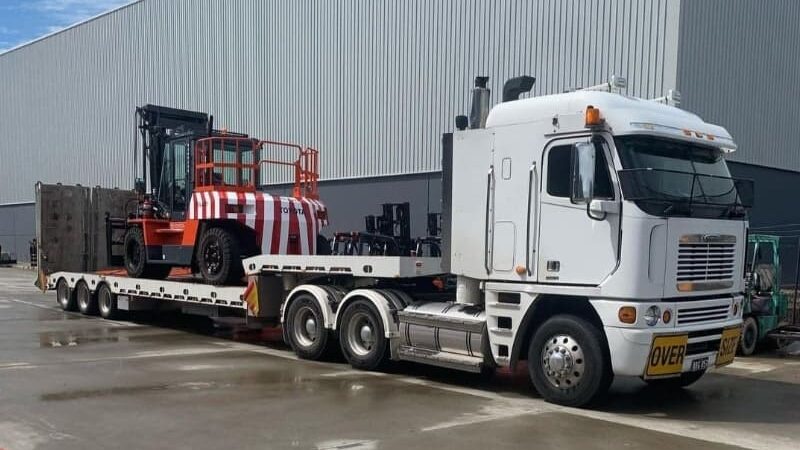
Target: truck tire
point(136, 257)
point(361, 336)
point(568, 362)
point(219, 257)
point(107, 302)
point(749, 340)
point(65, 296)
point(305, 327)
point(682, 381)
point(87, 302)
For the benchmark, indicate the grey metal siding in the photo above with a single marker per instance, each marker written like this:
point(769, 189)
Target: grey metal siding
point(372, 84)
point(738, 66)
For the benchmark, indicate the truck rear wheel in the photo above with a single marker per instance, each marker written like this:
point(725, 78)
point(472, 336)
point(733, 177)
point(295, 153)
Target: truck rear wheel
point(87, 302)
point(749, 340)
point(65, 296)
point(305, 328)
point(107, 302)
point(219, 257)
point(567, 362)
point(136, 257)
point(362, 337)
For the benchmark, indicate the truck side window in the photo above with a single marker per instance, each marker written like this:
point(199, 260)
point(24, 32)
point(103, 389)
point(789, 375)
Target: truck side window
point(602, 179)
point(558, 170)
point(558, 173)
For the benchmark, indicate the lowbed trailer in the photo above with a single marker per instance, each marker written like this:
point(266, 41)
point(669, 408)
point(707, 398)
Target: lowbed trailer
point(587, 233)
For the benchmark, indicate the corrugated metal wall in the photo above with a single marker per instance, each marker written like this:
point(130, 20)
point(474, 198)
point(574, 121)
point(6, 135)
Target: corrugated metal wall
point(739, 66)
point(372, 84)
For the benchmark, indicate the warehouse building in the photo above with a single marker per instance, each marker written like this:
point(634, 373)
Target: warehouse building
point(374, 84)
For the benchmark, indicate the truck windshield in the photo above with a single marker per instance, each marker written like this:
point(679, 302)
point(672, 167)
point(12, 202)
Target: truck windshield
point(667, 178)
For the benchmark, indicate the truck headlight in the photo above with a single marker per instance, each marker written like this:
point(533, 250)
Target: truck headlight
point(652, 315)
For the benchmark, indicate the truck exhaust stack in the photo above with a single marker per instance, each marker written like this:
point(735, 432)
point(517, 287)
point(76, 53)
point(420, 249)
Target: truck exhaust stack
point(480, 103)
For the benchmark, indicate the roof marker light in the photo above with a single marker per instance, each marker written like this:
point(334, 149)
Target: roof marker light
point(592, 116)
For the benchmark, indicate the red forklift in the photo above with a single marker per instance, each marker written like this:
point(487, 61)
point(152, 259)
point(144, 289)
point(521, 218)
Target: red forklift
point(204, 208)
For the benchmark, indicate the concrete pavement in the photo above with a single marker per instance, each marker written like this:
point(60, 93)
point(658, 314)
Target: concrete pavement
point(74, 382)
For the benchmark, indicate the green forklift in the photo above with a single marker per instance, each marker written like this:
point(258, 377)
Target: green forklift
point(766, 307)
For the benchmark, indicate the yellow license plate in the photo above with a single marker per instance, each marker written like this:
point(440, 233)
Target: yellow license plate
point(666, 355)
point(727, 345)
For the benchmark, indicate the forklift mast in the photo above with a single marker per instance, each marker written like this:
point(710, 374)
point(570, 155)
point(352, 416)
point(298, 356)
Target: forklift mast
point(159, 124)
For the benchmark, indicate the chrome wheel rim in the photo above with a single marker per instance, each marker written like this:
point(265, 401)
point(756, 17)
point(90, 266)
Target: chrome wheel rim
point(62, 292)
point(361, 334)
point(104, 301)
point(306, 329)
point(563, 361)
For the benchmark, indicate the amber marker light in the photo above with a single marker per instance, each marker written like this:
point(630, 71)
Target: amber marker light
point(667, 316)
point(592, 116)
point(627, 314)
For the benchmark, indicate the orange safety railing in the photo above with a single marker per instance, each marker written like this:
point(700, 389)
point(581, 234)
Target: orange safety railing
point(234, 164)
point(306, 168)
point(226, 164)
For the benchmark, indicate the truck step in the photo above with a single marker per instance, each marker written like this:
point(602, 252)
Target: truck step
point(440, 359)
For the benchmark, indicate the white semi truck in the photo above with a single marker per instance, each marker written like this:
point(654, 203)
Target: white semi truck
point(589, 234)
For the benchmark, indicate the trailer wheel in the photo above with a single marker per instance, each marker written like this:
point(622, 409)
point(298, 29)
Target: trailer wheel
point(567, 362)
point(65, 296)
point(305, 328)
point(87, 302)
point(219, 257)
point(362, 336)
point(749, 339)
point(682, 381)
point(107, 302)
point(136, 257)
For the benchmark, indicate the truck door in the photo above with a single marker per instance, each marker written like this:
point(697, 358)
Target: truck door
point(513, 221)
point(573, 247)
point(173, 188)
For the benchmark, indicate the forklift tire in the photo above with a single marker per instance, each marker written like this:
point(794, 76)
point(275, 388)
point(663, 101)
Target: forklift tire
point(136, 257)
point(66, 296)
point(219, 257)
point(87, 302)
point(749, 340)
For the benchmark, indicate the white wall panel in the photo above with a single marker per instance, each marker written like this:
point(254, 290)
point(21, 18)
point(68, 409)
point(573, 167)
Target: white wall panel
point(371, 83)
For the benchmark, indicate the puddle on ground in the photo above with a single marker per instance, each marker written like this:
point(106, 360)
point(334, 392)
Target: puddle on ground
point(72, 338)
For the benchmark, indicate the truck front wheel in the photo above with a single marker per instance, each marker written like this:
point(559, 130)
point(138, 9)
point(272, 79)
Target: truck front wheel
point(567, 362)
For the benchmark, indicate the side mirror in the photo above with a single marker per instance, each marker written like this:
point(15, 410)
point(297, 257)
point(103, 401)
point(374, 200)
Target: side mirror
point(583, 166)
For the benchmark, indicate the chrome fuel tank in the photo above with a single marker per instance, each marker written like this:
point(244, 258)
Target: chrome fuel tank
point(443, 326)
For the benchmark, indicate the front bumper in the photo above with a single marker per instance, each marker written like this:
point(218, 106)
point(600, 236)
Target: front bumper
point(631, 347)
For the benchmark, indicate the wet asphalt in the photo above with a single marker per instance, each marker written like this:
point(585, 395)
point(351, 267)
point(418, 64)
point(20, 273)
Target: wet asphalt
point(74, 382)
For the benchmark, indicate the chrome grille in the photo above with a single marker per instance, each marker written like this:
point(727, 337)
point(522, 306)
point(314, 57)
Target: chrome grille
point(706, 258)
point(700, 314)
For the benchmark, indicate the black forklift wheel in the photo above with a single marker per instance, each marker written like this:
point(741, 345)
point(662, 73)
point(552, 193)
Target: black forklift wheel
point(219, 257)
point(136, 257)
